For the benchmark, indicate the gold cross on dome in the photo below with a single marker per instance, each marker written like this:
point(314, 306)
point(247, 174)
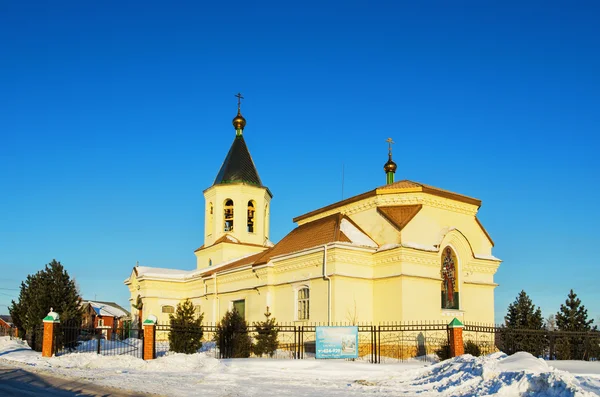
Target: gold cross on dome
point(239, 97)
point(390, 143)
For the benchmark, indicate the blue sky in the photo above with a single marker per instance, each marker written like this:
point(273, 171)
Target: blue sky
point(114, 118)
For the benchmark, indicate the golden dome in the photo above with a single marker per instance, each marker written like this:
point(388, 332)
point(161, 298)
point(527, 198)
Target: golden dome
point(239, 122)
point(390, 166)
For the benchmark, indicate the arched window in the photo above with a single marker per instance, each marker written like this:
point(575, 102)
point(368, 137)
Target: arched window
point(449, 274)
point(209, 220)
point(168, 309)
point(210, 262)
point(251, 212)
point(228, 216)
point(303, 303)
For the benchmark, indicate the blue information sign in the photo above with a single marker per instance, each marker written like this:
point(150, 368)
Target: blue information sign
point(337, 342)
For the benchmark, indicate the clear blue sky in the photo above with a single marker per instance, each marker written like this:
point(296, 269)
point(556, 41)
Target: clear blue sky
point(114, 118)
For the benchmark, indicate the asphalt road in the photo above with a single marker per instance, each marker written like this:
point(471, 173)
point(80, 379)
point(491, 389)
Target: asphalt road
point(18, 382)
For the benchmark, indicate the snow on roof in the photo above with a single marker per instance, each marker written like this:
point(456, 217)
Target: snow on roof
point(159, 272)
point(408, 244)
point(175, 274)
point(488, 257)
point(105, 309)
point(355, 234)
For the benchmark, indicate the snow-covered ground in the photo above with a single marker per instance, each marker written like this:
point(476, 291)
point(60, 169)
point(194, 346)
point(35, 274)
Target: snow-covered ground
point(188, 375)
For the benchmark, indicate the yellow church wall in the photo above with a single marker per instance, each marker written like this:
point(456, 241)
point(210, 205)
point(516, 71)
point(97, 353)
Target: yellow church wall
point(240, 194)
point(352, 300)
point(431, 224)
point(387, 293)
point(224, 252)
point(420, 299)
point(381, 231)
point(476, 301)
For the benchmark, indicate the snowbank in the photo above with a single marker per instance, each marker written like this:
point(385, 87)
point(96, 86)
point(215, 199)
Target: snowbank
point(186, 375)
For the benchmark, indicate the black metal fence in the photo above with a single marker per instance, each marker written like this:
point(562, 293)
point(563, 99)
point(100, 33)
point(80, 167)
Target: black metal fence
point(551, 345)
point(376, 343)
point(386, 342)
point(104, 341)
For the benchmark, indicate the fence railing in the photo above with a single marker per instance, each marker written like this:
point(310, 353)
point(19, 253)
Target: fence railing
point(376, 343)
point(551, 345)
point(104, 341)
point(386, 342)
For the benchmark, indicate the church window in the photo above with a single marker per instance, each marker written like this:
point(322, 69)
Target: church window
point(449, 275)
point(209, 219)
point(303, 303)
point(168, 309)
point(228, 216)
point(240, 307)
point(251, 212)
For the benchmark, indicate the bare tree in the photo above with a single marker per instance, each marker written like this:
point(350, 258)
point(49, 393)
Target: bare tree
point(352, 314)
point(551, 323)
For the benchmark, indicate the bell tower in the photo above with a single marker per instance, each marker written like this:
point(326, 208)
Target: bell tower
point(237, 205)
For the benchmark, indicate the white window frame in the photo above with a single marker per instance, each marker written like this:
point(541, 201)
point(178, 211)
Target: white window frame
point(300, 303)
point(162, 309)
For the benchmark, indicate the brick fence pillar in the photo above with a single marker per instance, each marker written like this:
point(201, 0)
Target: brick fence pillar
point(455, 329)
point(149, 337)
point(51, 322)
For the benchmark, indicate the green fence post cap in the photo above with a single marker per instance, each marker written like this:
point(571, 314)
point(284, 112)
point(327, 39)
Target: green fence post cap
point(455, 323)
point(151, 320)
point(52, 317)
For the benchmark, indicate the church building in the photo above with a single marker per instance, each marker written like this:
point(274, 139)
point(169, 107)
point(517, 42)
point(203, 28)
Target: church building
point(403, 251)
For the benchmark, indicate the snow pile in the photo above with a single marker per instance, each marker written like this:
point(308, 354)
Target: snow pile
point(199, 374)
point(518, 375)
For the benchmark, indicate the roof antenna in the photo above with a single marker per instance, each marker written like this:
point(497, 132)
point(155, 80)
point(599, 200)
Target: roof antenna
point(342, 181)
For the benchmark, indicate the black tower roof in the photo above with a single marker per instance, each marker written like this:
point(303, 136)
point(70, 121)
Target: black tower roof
point(238, 166)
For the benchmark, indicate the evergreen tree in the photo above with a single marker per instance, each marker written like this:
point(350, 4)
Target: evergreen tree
point(523, 315)
point(186, 329)
point(573, 317)
point(266, 338)
point(232, 337)
point(48, 288)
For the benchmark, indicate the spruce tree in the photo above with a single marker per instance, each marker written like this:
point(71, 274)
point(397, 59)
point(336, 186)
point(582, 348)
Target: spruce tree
point(573, 317)
point(232, 337)
point(186, 329)
point(266, 338)
point(523, 315)
point(48, 288)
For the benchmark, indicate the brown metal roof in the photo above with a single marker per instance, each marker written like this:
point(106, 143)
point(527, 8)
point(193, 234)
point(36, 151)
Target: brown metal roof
point(312, 234)
point(224, 239)
point(404, 186)
point(399, 215)
point(411, 186)
point(249, 260)
point(484, 231)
